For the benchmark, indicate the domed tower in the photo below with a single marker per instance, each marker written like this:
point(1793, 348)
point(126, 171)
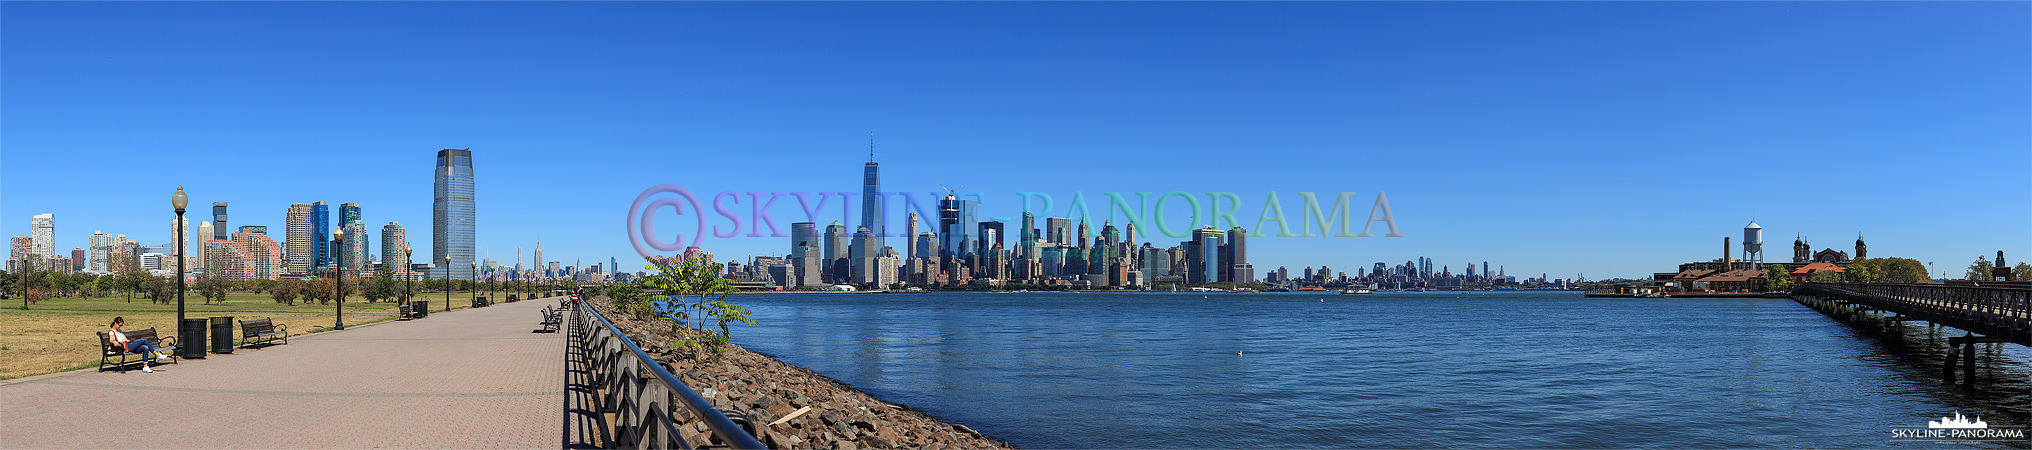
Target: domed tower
point(1861, 250)
point(1800, 249)
point(1753, 245)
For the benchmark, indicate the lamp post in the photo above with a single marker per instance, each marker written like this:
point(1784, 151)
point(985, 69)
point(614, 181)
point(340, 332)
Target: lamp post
point(448, 283)
point(476, 281)
point(1929, 271)
point(340, 285)
point(408, 276)
point(179, 201)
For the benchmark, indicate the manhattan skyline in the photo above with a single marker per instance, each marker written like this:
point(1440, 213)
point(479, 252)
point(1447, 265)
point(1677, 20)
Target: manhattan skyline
point(1614, 140)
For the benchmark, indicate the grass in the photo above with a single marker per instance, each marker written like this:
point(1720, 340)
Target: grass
point(57, 334)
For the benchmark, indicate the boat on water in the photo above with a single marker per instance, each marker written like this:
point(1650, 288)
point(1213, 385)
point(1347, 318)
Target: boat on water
point(1354, 291)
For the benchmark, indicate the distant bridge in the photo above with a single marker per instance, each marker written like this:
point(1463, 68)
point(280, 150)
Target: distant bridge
point(1999, 313)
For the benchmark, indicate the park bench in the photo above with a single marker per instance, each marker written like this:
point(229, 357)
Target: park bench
point(108, 351)
point(481, 302)
point(512, 298)
point(551, 319)
point(263, 331)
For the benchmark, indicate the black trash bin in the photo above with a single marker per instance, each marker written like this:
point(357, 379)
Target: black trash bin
point(192, 338)
point(222, 335)
point(422, 307)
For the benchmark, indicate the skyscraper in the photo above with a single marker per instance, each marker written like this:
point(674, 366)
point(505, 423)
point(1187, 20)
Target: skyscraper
point(1027, 235)
point(348, 214)
point(321, 235)
point(1239, 269)
point(452, 212)
point(1057, 231)
point(43, 237)
point(536, 259)
point(100, 247)
point(297, 249)
point(871, 197)
point(219, 221)
point(910, 236)
point(394, 240)
point(956, 225)
point(835, 253)
point(197, 243)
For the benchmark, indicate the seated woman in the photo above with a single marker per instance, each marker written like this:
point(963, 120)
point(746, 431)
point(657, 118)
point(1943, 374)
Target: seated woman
point(136, 346)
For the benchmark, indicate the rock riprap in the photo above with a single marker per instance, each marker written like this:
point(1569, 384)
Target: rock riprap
point(792, 408)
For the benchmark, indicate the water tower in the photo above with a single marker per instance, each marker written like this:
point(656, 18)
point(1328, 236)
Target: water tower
point(1753, 244)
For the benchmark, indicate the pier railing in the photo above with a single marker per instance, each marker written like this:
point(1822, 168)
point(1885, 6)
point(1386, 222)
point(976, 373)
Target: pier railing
point(2003, 312)
point(642, 397)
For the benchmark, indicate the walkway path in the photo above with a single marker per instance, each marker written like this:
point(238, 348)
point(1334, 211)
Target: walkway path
point(474, 378)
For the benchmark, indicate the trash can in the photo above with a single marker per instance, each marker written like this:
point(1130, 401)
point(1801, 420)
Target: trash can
point(422, 307)
point(192, 338)
point(222, 335)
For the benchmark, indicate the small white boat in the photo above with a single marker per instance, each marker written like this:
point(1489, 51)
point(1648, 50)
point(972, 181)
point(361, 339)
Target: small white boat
point(1354, 291)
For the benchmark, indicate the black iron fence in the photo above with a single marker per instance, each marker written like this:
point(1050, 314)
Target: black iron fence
point(1997, 311)
point(641, 396)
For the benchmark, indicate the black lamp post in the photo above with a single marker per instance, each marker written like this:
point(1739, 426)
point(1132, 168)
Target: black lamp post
point(408, 276)
point(179, 201)
point(340, 285)
point(475, 288)
point(448, 283)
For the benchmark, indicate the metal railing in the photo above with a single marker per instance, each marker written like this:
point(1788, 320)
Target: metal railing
point(1998, 311)
point(641, 394)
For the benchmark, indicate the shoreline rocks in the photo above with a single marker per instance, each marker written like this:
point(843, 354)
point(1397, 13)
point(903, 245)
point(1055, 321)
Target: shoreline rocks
point(791, 407)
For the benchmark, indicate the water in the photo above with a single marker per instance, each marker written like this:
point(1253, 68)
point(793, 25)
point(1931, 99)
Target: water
point(1474, 369)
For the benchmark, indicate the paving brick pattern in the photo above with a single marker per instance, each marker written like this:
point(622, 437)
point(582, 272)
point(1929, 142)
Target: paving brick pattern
point(474, 378)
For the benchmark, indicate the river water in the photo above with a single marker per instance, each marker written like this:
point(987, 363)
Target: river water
point(1501, 369)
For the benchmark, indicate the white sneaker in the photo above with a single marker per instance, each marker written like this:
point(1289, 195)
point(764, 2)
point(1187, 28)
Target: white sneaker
point(146, 369)
point(160, 358)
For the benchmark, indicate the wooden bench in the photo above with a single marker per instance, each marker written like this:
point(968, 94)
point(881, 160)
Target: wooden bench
point(263, 332)
point(109, 352)
point(551, 319)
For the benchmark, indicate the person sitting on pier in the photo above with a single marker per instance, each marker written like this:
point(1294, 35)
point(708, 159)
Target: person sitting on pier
point(137, 346)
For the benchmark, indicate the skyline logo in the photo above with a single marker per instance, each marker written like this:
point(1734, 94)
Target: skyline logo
point(1959, 428)
point(1145, 215)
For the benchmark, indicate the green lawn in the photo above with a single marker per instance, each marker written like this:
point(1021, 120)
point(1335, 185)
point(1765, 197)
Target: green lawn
point(58, 334)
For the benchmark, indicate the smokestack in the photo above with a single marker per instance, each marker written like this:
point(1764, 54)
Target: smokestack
point(1727, 264)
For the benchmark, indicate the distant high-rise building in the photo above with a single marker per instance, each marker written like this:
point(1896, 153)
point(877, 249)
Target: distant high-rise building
point(44, 235)
point(991, 236)
point(1057, 231)
point(179, 229)
point(835, 254)
point(394, 240)
point(1239, 269)
point(956, 224)
point(99, 249)
point(299, 231)
point(871, 198)
point(349, 213)
point(197, 244)
point(219, 221)
point(453, 212)
point(321, 235)
point(535, 261)
point(910, 236)
point(356, 246)
point(1485, 269)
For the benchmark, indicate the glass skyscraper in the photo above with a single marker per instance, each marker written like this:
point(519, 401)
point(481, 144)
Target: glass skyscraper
point(452, 213)
point(321, 235)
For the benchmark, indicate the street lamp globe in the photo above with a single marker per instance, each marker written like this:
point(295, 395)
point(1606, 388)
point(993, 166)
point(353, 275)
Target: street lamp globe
point(179, 200)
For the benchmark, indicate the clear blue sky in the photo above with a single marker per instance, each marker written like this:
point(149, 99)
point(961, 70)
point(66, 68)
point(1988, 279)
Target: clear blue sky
point(1615, 139)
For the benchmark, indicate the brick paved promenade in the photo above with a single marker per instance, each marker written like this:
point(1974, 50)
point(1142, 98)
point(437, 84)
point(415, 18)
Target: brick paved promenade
point(475, 378)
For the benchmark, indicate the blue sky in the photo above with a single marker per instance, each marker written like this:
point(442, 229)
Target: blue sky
point(1612, 139)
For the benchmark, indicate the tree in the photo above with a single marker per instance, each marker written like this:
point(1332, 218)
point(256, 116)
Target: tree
point(691, 282)
point(2021, 272)
point(1864, 271)
point(1776, 278)
point(158, 289)
point(320, 290)
point(1979, 270)
point(213, 287)
point(1825, 276)
point(382, 286)
point(285, 292)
